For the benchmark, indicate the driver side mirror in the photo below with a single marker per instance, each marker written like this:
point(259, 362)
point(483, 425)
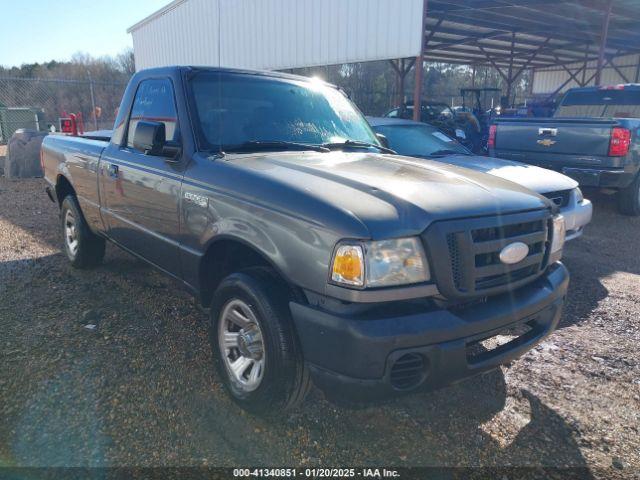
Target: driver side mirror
point(384, 141)
point(151, 138)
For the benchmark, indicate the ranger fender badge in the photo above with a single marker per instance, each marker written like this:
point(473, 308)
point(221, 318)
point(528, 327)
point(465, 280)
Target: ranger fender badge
point(199, 200)
point(514, 253)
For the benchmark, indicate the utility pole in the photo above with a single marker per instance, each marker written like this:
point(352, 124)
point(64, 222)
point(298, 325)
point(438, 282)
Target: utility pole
point(93, 101)
point(419, 66)
point(603, 42)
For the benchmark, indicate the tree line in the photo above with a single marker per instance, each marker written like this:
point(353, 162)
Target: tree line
point(374, 86)
point(57, 87)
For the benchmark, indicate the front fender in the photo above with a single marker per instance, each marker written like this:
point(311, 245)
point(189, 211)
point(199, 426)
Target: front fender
point(299, 251)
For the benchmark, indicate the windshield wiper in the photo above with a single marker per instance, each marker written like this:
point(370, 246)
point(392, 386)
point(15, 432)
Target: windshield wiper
point(258, 145)
point(445, 152)
point(356, 144)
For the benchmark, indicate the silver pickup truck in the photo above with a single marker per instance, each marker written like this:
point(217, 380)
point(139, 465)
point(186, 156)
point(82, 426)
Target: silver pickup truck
point(318, 252)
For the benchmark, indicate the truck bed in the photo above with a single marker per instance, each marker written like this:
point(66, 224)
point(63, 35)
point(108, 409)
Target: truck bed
point(593, 137)
point(558, 143)
point(550, 136)
point(77, 159)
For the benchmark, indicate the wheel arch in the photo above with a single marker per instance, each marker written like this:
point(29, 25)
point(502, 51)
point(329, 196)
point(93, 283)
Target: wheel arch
point(227, 254)
point(63, 188)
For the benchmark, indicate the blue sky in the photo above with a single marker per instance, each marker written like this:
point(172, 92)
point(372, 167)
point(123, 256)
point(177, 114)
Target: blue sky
point(43, 30)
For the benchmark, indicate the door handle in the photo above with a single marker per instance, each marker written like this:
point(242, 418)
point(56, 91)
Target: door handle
point(112, 170)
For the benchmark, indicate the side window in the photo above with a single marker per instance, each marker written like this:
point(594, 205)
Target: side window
point(154, 102)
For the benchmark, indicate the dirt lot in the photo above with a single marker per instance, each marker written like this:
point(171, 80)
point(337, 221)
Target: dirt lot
point(139, 389)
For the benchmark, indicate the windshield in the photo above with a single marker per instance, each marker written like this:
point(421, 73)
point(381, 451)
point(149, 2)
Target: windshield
point(420, 141)
point(601, 103)
point(236, 110)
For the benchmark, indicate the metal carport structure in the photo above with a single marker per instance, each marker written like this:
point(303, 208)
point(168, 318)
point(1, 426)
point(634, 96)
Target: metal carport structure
point(515, 35)
point(582, 38)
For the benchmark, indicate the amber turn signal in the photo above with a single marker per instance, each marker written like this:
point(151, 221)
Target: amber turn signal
point(348, 265)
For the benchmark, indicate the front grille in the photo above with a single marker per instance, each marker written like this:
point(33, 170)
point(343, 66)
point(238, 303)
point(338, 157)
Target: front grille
point(561, 198)
point(470, 266)
point(456, 267)
point(408, 371)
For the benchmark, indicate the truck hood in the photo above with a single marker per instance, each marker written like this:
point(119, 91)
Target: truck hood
point(389, 195)
point(540, 180)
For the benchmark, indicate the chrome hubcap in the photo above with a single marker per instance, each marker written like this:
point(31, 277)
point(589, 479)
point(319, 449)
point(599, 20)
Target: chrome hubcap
point(241, 344)
point(71, 233)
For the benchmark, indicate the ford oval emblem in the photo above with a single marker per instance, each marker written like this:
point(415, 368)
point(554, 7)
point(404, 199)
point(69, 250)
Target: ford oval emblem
point(514, 253)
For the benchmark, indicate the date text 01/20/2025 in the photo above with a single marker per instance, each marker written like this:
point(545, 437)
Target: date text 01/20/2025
point(316, 472)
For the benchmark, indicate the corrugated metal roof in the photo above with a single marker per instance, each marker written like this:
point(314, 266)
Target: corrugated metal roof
point(535, 33)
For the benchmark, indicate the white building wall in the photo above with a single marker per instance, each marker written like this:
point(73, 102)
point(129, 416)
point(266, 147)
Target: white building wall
point(277, 34)
point(549, 80)
point(183, 33)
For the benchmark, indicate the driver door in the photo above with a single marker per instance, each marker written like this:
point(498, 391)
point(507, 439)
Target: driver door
point(142, 191)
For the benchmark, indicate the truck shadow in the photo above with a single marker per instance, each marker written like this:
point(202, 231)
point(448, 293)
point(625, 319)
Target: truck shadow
point(462, 425)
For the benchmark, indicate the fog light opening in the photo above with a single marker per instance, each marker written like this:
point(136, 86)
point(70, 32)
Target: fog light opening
point(408, 371)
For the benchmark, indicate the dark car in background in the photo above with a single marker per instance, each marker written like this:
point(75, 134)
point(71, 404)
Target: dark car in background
point(460, 124)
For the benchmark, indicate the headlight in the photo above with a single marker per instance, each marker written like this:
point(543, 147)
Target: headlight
point(380, 264)
point(559, 233)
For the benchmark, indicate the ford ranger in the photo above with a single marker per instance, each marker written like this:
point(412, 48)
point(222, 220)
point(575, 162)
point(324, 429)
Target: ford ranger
point(319, 253)
point(593, 137)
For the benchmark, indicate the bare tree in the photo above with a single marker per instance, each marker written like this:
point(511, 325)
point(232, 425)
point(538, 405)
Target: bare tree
point(126, 61)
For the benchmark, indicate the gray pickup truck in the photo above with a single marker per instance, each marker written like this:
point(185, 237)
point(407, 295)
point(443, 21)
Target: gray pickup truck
point(319, 253)
point(593, 137)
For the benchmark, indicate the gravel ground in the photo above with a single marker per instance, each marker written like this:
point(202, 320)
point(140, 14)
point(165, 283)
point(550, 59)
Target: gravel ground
point(138, 389)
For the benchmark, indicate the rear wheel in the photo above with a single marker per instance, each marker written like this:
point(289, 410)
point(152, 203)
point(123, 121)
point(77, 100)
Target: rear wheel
point(255, 348)
point(629, 198)
point(84, 249)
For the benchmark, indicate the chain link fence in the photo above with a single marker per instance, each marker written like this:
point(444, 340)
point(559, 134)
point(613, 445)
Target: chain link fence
point(38, 103)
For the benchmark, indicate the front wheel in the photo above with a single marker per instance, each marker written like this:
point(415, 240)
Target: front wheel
point(254, 345)
point(84, 249)
point(629, 198)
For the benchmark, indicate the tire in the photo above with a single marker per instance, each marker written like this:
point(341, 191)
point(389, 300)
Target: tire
point(278, 379)
point(629, 199)
point(84, 249)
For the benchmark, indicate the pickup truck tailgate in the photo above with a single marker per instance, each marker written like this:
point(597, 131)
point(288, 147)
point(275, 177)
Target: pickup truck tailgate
point(558, 136)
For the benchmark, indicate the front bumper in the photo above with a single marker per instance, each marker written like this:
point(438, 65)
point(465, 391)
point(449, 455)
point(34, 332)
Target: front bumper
point(356, 354)
point(576, 216)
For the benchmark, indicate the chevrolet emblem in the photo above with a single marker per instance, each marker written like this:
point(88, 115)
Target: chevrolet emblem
point(547, 142)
